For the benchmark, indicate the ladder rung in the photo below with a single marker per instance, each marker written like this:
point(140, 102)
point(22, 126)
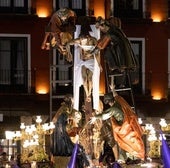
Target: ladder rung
point(58, 96)
point(61, 81)
point(61, 66)
point(123, 89)
point(112, 75)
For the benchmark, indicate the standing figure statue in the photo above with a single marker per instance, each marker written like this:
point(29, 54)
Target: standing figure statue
point(62, 143)
point(60, 30)
point(87, 69)
point(106, 130)
point(117, 48)
point(123, 127)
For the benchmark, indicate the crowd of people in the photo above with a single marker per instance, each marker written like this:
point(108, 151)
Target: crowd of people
point(12, 161)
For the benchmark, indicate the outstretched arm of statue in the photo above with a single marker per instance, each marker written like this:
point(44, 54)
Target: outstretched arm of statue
point(103, 42)
point(68, 49)
point(74, 41)
point(108, 113)
point(95, 50)
point(69, 54)
point(112, 88)
point(112, 112)
point(45, 43)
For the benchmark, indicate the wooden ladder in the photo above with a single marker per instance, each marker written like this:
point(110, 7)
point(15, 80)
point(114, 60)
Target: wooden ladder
point(123, 85)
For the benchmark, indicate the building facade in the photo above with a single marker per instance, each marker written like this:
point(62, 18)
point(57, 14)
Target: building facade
point(25, 81)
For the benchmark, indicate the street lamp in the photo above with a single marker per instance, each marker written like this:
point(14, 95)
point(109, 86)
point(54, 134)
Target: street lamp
point(32, 139)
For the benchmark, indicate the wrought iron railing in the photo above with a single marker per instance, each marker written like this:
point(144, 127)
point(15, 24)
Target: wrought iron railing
point(23, 81)
point(17, 81)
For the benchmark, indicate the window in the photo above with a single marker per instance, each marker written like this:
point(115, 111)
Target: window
point(78, 6)
point(14, 6)
point(168, 63)
point(138, 77)
point(168, 8)
point(63, 70)
point(61, 75)
point(14, 64)
point(8, 146)
point(128, 8)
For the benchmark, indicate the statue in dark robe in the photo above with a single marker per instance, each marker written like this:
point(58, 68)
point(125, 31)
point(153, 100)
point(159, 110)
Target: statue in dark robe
point(117, 49)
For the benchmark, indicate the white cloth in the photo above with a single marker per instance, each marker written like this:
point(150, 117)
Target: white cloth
point(78, 80)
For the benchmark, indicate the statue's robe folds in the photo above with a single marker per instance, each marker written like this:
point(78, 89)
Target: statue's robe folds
point(129, 134)
point(118, 52)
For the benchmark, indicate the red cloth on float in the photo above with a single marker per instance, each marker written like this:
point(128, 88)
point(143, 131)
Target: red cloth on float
point(129, 134)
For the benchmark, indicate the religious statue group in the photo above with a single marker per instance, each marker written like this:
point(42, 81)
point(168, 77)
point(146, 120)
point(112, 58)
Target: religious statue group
point(108, 132)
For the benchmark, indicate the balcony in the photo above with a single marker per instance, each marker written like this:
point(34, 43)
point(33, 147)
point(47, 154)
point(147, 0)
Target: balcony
point(18, 96)
point(17, 81)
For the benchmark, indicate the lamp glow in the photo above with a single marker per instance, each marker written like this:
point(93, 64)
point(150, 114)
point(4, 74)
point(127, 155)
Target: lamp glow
point(22, 126)
point(163, 122)
point(9, 134)
point(42, 12)
point(140, 120)
point(157, 96)
point(156, 18)
point(38, 120)
point(42, 91)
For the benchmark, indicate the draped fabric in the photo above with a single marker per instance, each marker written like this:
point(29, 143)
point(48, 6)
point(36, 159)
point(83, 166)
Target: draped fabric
point(122, 50)
point(118, 52)
point(78, 80)
point(62, 23)
point(62, 144)
point(58, 25)
point(72, 161)
point(165, 149)
point(129, 134)
point(116, 165)
point(92, 65)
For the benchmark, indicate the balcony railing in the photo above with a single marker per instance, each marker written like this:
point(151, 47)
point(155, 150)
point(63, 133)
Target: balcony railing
point(17, 81)
point(23, 81)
